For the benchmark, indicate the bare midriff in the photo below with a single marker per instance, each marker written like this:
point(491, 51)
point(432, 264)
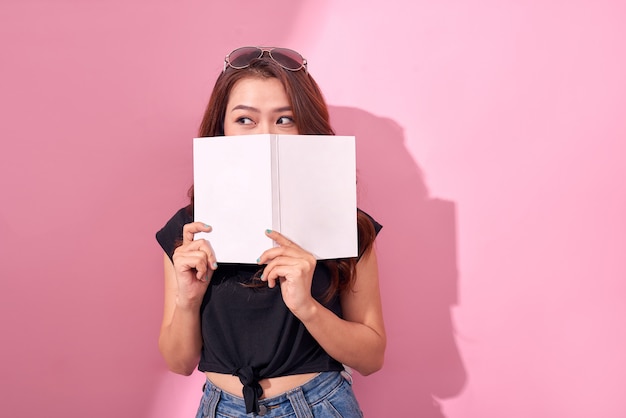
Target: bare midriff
point(272, 386)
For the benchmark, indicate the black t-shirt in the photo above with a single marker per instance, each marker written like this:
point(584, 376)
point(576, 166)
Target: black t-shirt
point(247, 330)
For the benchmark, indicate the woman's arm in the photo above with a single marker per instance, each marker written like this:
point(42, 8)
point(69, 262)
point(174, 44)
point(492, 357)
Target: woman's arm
point(186, 281)
point(359, 339)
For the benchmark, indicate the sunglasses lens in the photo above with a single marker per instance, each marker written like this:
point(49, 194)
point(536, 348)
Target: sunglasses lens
point(241, 58)
point(288, 58)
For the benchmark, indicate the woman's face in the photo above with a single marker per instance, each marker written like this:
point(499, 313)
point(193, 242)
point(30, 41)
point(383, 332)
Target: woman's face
point(258, 106)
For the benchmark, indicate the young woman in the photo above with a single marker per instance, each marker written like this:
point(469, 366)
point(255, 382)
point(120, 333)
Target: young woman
point(272, 338)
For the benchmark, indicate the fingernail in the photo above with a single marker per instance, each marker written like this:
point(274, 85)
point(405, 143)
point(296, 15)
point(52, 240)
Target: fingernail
point(268, 231)
point(207, 225)
point(214, 265)
point(258, 260)
point(261, 277)
point(206, 278)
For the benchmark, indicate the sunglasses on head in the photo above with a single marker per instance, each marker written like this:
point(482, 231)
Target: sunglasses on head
point(241, 58)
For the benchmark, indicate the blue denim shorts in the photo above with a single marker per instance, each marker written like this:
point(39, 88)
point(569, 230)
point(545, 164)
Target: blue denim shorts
point(329, 394)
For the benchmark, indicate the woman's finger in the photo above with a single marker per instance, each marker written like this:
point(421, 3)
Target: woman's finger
point(270, 272)
point(280, 239)
point(286, 267)
point(286, 248)
point(190, 229)
point(276, 252)
point(191, 259)
point(211, 258)
point(197, 255)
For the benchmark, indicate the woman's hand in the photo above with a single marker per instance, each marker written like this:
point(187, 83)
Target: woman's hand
point(358, 339)
point(293, 268)
point(194, 264)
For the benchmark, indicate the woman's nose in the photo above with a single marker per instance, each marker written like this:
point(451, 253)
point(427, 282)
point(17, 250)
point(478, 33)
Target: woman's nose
point(267, 128)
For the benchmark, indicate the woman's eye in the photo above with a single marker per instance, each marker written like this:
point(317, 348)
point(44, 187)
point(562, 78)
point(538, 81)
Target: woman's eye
point(283, 120)
point(244, 120)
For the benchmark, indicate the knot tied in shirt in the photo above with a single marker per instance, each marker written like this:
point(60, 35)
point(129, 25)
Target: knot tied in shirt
point(252, 390)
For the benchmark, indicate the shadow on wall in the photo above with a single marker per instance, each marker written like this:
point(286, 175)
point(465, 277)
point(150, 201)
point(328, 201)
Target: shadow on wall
point(418, 273)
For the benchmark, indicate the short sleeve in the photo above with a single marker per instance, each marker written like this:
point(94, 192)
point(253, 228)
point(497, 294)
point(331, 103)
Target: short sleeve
point(375, 224)
point(171, 235)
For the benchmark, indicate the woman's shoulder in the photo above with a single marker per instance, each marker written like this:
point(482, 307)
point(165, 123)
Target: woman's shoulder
point(377, 226)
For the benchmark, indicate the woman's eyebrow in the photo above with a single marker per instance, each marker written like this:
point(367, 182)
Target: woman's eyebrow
point(283, 109)
point(254, 109)
point(244, 107)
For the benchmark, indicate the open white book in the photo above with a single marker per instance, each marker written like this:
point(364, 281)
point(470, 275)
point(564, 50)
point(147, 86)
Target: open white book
point(303, 186)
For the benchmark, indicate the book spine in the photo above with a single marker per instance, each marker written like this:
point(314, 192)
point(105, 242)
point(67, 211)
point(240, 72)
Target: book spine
point(276, 216)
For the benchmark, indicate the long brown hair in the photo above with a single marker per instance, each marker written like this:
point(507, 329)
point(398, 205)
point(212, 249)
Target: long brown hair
point(311, 118)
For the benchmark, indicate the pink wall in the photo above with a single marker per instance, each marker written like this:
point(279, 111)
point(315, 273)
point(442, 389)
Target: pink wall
point(490, 142)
